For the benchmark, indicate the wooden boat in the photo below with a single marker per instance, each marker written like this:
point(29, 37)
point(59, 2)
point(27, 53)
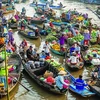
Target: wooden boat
point(35, 20)
point(73, 67)
point(25, 34)
point(36, 74)
point(84, 93)
point(85, 57)
point(6, 1)
point(98, 11)
point(57, 52)
point(13, 25)
point(95, 87)
point(14, 72)
point(7, 9)
point(44, 4)
point(95, 12)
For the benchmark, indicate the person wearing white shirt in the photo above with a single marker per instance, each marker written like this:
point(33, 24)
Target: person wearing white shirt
point(46, 47)
point(74, 59)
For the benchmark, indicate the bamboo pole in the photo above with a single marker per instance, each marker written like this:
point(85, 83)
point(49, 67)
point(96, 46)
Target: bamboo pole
point(6, 73)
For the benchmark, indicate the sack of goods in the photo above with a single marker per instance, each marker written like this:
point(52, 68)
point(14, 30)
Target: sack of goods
point(47, 74)
point(95, 61)
point(31, 33)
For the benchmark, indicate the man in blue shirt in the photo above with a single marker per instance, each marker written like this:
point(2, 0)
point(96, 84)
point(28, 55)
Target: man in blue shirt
point(80, 83)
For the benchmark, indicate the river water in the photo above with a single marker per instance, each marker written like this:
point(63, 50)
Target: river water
point(36, 92)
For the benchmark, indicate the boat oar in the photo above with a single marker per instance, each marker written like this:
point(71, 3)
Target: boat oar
point(14, 78)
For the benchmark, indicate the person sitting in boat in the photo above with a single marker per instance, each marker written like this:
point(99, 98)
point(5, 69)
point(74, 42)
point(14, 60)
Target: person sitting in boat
point(36, 57)
point(59, 80)
point(96, 72)
point(77, 48)
point(80, 83)
point(42, 17)
point(61, 5)
point(1, 29)
point(68, 16)
point(23, 26)
point(37, 32)
point(87, 37)
point(72, 30)
point(35, 51)
point(74, 60)
point(51, 24)
point(4, 20)
point(29, 53)
point(23, 11)
point(24, 43)
point(62, 41)
point(17, 16)
point(23, 46)
point(10, 36)
point(72, 49)
point(46, 47)
point(9, 47)
point(42, 54)
point(13, 4)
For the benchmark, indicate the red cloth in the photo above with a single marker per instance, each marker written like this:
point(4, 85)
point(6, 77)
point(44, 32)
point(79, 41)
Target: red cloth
point(47, 57)
point(13, 49)
point(51, 25)
point(86, 42)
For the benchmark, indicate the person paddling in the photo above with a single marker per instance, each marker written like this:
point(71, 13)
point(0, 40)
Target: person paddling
point(80, 84)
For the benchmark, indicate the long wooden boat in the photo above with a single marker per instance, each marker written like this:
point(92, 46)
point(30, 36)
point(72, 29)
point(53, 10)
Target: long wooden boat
point(13, 25)
point(35, 20)
point(25, 34)
point(73, 67)
point(94, 12)
point(57, 52)
point(14, 62)
point(44, 4)
point(36, 74)
point(7, 9)
point(84, 93)
point(95, 88)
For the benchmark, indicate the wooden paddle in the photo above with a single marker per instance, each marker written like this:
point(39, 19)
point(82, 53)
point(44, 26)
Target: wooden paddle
point(14, 78)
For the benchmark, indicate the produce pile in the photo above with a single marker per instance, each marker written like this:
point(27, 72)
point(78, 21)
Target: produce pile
point(91, 52)
point(93, 36)
point(56, 65)
point(56, 47)
point(2, 40)
point(77, 38)
point(50, 38)
point(2, 54)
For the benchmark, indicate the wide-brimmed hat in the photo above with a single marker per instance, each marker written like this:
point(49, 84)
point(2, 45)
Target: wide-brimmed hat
point(9, 29)
point(63, 32)
point(62, 72)
point(86, 31)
